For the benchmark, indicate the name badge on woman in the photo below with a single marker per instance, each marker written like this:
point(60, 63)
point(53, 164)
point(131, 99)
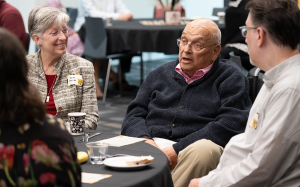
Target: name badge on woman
point(74, 79)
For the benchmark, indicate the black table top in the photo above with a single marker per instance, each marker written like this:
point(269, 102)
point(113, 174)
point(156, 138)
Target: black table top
point(134, 36)
point(136, 25)
point(155, 174)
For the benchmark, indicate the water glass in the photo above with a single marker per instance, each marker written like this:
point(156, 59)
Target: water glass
point(97, 152)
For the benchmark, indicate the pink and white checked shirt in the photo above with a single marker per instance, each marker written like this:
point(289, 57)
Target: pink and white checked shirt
point(199, 73)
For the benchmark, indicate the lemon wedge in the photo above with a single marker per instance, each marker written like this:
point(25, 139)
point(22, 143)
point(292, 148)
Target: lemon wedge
point(82, 156)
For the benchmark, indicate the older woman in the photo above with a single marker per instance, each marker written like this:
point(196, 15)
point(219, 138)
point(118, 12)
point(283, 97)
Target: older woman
point(35, 149)
point(66, 82)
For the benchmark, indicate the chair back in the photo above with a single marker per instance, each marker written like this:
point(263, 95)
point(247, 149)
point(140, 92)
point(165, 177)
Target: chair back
point(72, 12)
point(255, 78)
point(235, 59)
point(95, 38)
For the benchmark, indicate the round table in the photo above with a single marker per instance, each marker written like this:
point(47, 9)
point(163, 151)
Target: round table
point(134, 36)
point(155, 174)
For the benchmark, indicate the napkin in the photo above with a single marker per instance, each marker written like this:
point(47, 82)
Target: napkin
point(119, 141)
point(92, 177)
point(162, 143)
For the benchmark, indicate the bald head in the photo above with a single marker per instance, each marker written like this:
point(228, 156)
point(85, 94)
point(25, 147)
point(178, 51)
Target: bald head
point(199, 46)
point(209, 30)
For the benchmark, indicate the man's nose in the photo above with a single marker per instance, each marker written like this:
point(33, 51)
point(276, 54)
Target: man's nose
point(187, 47)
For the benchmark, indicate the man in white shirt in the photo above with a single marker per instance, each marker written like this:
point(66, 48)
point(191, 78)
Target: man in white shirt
point(268, 153)
point(105, 9)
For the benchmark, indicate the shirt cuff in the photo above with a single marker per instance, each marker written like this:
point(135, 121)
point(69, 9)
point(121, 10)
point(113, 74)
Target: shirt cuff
point(116, 16)
point(204, 182)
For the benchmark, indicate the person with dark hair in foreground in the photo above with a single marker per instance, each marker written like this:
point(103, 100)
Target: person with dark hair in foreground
point(267, 154)
point(35, 149)
point(198, 101)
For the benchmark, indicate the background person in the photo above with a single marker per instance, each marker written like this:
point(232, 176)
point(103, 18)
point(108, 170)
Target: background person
point(35, 150)
point(52, 69)
point(104, 9)
point(197, 101)
point(11, 19)
point(232, 40)
point(267, 154)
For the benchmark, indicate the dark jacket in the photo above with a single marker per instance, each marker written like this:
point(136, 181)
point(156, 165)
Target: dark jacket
point(215, 107)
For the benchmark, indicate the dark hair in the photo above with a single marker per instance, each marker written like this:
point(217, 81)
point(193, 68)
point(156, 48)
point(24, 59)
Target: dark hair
point(20, 103)
point(280, 18)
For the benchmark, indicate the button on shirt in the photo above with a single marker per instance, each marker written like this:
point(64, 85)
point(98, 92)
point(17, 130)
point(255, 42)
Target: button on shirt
point(267, 154)
point(199, 73)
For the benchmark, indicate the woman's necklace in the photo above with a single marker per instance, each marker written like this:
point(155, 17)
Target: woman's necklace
point(48, 97)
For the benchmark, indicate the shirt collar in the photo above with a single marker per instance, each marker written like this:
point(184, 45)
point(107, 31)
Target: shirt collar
point(57, 66)
point(199, 73)
point(276, 73)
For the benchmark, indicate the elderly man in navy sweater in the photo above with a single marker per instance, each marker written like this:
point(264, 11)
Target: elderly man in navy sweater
point(197, 101)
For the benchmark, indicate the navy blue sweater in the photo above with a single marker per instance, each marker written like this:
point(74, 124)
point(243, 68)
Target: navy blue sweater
point(215, 107)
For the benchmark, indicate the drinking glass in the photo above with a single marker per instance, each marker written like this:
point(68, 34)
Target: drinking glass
point(97, 152)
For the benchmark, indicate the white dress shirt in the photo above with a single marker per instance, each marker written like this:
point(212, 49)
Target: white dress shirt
point(99, 8)
point(268, 153)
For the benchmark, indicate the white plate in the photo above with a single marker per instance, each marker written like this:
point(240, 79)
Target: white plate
point(118, 163)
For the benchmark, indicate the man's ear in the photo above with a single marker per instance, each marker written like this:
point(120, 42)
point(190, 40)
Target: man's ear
point(261, 36)
point(216, 52)
point(36, 39)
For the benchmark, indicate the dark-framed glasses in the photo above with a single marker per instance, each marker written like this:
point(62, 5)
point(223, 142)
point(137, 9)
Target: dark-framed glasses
point(197, 47)
point(244, 30)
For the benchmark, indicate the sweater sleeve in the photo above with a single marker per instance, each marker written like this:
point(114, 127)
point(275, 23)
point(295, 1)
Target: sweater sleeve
point(12, 21)
point(134, 121)
point(232, 116)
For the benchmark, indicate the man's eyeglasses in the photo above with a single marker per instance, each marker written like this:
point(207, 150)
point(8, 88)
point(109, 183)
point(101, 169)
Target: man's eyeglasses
point(244, 30)
point(197, 47)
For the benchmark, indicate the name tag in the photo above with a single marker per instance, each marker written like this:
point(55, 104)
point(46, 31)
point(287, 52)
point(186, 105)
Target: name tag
point(74, 79)
point(255, 121)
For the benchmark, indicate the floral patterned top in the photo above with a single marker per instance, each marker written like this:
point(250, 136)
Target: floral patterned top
point(38, 154)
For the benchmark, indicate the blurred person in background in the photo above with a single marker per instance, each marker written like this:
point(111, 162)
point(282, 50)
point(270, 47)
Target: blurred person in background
point(35, 148)
point(11, 19)
point(232, 40)
point(104, 9)
point(66, 82)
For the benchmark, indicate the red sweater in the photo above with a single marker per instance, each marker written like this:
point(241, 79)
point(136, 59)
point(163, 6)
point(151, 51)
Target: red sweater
point(11, 19)
point(51, 108)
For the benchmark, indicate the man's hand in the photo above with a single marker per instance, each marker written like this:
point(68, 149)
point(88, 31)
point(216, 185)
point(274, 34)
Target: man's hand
point(172, 156)
point(126, 17)
point(194, 182)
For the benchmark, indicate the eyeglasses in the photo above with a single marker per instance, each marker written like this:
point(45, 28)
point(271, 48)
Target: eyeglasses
point(244, 30)
point(197, 47)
